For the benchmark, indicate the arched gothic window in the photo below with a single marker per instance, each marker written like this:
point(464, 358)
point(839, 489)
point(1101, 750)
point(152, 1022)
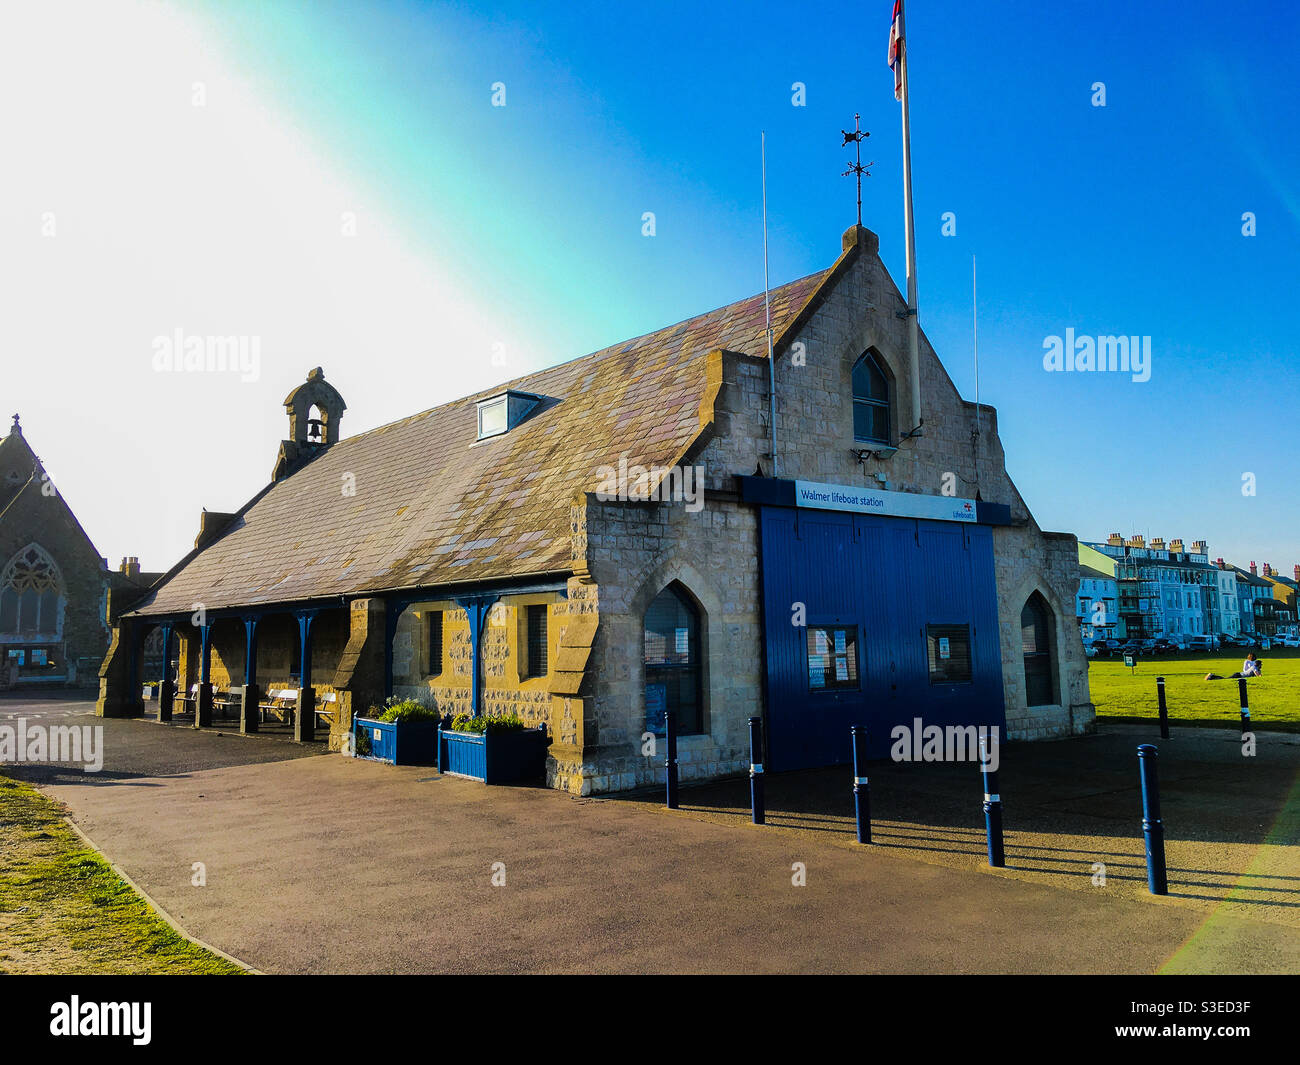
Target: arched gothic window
point(870, 401)
point(1038, 635)
point(672, 662)
point(30, 594)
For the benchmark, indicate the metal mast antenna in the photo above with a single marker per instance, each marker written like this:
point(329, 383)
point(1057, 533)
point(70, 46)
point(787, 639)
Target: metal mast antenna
point(975, 326)
point(767, 312)
point(857, 136)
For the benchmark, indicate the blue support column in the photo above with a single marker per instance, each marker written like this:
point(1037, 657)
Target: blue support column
point(249, 707)
point(304, 721)
point(167, 689)
point(476, 608)
point(203, 704)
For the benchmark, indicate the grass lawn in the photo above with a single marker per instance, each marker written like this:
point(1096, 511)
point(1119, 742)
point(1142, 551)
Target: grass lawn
point(1193, 700)
point(64, 910)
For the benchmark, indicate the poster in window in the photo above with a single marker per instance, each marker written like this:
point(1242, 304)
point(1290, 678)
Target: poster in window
point(816, 675)
point(944, 652)
point(819, 641)
point(683, 641)
point(841, 668)
point(840, 638)
point(40, 656)
point(656, 708)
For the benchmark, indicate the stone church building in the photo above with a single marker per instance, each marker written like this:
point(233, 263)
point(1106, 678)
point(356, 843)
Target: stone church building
point(628, 534)
point(54, 585)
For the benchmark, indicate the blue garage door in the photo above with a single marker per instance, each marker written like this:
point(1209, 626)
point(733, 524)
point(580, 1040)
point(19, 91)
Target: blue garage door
point(900, 622)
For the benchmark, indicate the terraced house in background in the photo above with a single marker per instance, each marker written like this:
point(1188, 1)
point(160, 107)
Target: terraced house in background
point(518, 550)
point(1167, 590)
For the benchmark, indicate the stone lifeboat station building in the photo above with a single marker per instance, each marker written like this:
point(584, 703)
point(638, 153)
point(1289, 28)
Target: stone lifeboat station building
point(626, 534)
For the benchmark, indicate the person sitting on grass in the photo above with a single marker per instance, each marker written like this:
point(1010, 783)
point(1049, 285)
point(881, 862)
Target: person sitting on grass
point(1252, 667)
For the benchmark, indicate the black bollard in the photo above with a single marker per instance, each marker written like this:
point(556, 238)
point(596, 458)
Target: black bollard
point(1153, 828)
point(1164, 711)
point(992, 806)
point(670, 762)
point(861, 786)
point(1245, 706)
point(756, 770)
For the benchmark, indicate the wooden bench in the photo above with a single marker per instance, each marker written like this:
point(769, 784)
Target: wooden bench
point(189, 703)
point(228, 700)
point(281, 703)
point(327, 707)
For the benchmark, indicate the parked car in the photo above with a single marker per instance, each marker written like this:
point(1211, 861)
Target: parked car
point(1133, 647)
point(1166, 646)
point(1286, 640)
point(1202, 643)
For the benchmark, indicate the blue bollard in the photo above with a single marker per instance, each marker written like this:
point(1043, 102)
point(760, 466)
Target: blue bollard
point(861, 787)
point(1153, 828)
point(1164, 710)
point(1245, 706)
point(756, 770)
point(670, 762)
point(992, 807)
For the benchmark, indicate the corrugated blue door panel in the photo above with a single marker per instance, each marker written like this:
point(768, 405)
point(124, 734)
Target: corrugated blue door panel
point(890, 577)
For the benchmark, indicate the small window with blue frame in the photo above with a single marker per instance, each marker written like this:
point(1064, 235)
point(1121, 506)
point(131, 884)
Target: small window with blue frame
point(949, 651)
point(832, 658)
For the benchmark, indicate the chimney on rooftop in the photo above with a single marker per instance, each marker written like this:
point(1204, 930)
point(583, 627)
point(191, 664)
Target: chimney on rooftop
point(1136, 540)
point(1115, 540)
point(1176, 545)
point(130, 566)
point(1268, 570)
point(1158, 543)
point(1220, 563)
point(1199, 547)
point(1252, 570)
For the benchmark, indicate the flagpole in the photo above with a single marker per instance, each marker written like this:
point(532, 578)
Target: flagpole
point(913, 341)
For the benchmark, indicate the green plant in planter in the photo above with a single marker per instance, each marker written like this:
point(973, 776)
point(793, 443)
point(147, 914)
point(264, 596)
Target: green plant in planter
point(488, 723)
point(408, 710)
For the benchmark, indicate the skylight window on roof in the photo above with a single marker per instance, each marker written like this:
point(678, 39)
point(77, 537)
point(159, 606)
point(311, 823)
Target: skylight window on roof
point(500, 413)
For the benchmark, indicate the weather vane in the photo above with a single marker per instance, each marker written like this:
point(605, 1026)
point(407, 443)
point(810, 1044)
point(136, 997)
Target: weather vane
point(858, 168)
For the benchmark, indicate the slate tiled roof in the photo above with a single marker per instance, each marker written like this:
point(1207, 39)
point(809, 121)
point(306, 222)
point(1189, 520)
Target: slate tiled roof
point(433, 508)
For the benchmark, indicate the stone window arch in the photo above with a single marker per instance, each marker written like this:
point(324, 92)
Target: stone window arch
point(673, 652)
point(31, 594)
point(1038, 640)
point(872, 404)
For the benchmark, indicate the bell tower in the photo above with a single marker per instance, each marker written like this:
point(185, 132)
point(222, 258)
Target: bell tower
point(315, 410)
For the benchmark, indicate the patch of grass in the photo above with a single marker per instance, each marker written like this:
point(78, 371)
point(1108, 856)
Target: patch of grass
point(64, 910)
point(1193, 700)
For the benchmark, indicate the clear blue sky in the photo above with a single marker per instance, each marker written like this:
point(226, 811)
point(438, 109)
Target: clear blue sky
point(1120, 219)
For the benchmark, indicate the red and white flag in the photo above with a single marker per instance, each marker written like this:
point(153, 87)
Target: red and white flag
point(895, 44)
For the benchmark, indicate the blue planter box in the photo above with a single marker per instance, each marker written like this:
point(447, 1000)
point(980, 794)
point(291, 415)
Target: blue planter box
point(494, 757)
point(408, 743)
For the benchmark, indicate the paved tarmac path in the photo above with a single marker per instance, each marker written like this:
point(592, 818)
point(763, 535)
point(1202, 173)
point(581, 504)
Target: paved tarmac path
point(326, 864)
